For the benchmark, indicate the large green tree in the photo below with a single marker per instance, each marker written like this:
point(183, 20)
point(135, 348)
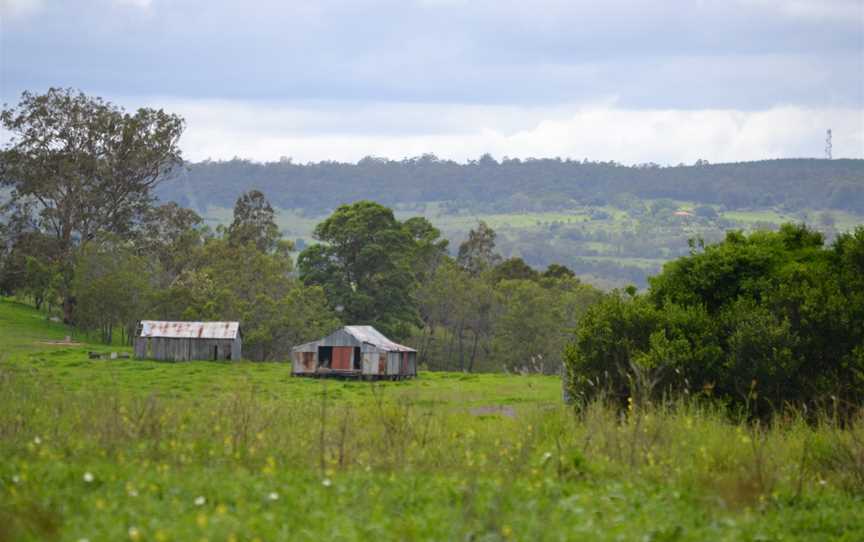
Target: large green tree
point(82, 167)
point(254, 222)
point(171, 235)
point(477, 253)
point(365, 263)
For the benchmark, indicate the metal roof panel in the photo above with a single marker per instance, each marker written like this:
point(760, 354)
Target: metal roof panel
point(190, 330)
point(370, 335)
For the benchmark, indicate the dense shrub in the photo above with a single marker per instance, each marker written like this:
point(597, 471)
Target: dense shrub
point(759, 321)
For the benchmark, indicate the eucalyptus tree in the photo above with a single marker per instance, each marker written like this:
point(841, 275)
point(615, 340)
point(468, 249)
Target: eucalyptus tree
point(365, 265)
point(477, 253)
point(254, 222)
point(83, 167)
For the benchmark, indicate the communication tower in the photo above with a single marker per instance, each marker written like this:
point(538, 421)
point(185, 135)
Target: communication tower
point(828, 146)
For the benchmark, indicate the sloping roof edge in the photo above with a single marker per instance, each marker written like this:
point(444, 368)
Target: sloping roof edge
point(363, 334)
point(370, 335)
point(189, 330)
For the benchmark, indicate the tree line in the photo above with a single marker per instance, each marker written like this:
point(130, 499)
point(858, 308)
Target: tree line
point(487, 185)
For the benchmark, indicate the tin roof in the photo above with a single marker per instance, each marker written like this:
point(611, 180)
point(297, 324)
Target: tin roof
point(362, 334)
point(370, 335)
point(190, 330)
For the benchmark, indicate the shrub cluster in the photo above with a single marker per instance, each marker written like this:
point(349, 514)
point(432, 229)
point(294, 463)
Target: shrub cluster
point(759, 321)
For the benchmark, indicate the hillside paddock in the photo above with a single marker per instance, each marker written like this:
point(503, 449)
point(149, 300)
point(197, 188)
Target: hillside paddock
point(139, 450)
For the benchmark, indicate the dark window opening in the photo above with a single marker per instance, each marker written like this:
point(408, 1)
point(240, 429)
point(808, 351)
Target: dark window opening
point(215, 353)
point(325, 356)
point(358, 360)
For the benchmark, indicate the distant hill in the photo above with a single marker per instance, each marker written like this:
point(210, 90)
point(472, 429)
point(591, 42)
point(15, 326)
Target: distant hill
point(486, 185)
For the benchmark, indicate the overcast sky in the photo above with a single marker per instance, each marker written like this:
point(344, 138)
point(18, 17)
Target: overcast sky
point(666, 81)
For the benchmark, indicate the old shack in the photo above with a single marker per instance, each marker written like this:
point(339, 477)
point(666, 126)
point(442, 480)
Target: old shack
point(355, 351)
point(184, 341)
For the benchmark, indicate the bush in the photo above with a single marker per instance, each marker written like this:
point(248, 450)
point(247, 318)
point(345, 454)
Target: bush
point(759, 322)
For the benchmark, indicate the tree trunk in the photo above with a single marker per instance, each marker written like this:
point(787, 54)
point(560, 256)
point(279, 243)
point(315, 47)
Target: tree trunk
point(450, 349)
point(473, 352)
point(68, 309)
point(461, 348)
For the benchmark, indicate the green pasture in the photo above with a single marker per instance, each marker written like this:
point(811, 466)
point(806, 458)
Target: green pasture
point(141, 450)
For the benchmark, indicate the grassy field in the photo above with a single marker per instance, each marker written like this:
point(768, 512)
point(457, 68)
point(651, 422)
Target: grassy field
point(139, 450)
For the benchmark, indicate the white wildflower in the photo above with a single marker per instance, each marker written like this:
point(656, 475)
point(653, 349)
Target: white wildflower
point(88, 477)
point(200, 501)
point(326, 482)
point(37, 440)
point(16, 479)
point(273, 496)
point(134, 533)
point(823, 482)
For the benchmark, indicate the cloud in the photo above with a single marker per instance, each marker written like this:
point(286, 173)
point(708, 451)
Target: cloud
point(601, 131)
point(830, 10)
point(744, 54)
point(629, 80)
point(134, 3)
point(19, 8)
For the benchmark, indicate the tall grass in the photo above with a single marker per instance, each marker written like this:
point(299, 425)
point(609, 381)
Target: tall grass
point(477, 472)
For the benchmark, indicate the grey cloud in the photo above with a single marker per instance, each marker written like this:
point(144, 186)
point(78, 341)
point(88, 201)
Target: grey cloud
point(688, 54)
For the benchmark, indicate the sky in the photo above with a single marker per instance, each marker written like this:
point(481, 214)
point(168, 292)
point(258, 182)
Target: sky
point(635, 81)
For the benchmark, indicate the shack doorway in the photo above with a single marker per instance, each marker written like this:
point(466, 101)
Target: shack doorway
point(325, 356)
point(216, 353)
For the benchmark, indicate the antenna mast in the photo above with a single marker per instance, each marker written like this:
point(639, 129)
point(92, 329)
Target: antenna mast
point(828, 146)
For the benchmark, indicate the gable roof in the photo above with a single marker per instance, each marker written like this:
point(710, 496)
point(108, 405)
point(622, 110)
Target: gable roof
point(359, 334)
point(189, 330)
point(370, 335)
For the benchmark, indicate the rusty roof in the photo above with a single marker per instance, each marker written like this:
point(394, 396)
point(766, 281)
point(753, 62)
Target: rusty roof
point(190, 330)
point(370, 335)
point(362, 334)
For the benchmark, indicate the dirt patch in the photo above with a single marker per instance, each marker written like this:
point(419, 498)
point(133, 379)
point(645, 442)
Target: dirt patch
point(494, 410)
point(60, 343)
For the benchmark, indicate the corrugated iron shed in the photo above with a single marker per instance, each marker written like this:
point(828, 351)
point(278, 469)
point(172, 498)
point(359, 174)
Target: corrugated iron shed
point(189, 330)
point(357, 352)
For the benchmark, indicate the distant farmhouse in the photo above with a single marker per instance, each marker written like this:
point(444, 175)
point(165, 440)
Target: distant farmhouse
point(184, 341)
point(355, 351)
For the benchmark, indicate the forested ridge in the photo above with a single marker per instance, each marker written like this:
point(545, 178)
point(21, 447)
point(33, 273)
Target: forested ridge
point(521, 185)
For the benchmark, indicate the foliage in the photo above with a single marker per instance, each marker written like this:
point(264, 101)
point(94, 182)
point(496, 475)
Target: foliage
point(254, 222)
point(80, 167)
point(535, 320)
point(513, 269)
point(478, 253)
point(111, 287)
point(171, 235)
point(759, 321)
point(509, 317)
point(256, 289)
point(364, 265)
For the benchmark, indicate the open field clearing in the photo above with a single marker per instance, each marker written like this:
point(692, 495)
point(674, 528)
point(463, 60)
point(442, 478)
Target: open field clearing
point(139, 450)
